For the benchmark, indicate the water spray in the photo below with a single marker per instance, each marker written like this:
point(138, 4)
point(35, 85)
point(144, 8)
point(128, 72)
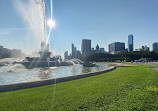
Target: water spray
point(42, 3)
point(51, 22)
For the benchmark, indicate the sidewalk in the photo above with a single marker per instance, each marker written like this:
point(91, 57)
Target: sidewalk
point(124, 65)
point(156, 69)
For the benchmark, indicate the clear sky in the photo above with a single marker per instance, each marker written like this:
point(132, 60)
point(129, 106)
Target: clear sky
point(102, 21)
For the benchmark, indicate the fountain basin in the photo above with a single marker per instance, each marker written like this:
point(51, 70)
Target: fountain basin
point(17, 86)
point(20, 74)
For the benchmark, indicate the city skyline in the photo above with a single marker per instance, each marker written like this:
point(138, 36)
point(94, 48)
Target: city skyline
point(113, 48)
point(101, 21)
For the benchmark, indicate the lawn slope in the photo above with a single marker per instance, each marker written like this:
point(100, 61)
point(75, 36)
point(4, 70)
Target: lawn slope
point(126, 88)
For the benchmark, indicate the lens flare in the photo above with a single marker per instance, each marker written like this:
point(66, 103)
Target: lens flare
point(51, 18)
point(51, 23)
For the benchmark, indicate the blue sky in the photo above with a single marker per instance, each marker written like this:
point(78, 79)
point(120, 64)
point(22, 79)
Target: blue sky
point(102, 21)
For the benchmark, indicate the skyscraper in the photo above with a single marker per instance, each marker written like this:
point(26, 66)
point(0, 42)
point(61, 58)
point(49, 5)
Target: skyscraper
point(155, 47)
point(97, 49)
point(79, 55)
point(102, 50)
point(73, 51)
point(86, 47)
point(116, 47)
point(66, 55)
point(130, 43)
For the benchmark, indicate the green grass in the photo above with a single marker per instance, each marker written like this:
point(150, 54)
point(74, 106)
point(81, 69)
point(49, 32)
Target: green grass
point(124, 89)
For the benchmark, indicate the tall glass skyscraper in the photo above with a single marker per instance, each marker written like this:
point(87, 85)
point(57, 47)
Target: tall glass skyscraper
point(74, 52)
point(130, 43)
point(86, 47)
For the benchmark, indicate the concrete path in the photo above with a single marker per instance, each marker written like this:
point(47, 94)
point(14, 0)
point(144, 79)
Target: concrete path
point(156, 69)
point(124, 65)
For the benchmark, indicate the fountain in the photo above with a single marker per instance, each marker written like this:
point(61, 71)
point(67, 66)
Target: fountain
point(45, 60)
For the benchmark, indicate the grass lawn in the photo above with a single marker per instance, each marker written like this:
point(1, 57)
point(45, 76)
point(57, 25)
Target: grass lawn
point(124, 89)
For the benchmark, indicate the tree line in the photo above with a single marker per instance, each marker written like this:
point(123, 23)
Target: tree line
point(124, 56)
point(8, 53)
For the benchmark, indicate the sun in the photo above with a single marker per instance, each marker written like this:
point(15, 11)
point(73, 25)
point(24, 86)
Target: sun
point(51, 23)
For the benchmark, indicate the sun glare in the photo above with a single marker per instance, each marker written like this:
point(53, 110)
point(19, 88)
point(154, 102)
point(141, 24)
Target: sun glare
point(51, 23)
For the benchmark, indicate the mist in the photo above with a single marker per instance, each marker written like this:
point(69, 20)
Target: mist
point(32, 13)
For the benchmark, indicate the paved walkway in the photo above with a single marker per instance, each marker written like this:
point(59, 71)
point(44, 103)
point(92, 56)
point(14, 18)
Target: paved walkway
point(124, 65)
point(154, 63)
point(156, 69)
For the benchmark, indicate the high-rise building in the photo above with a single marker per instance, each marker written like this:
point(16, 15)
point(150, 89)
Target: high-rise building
point(155, 47)
point(130, 43)
point(79, 55)
point(75, 50)
point(74, 53)
point(102, 50)
point(72, 50)
point(97, 49)
point(86, 47)
point(66, 55)
point(138, 49)
point(145, 48)
point(92, 50)
point(116, 47)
